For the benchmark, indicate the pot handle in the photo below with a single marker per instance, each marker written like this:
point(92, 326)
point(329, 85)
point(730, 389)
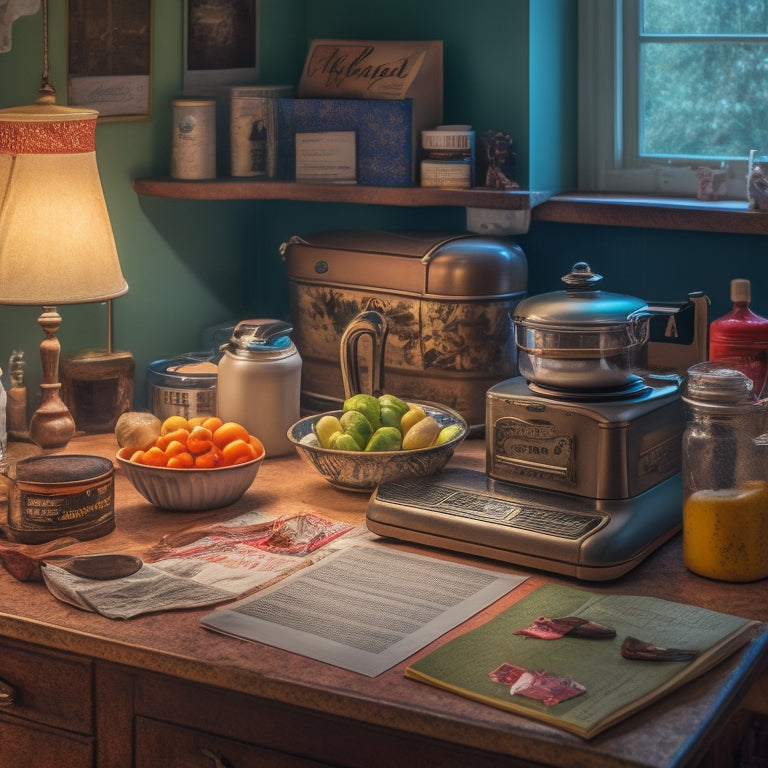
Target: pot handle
point(639, 325)
point(368, 323)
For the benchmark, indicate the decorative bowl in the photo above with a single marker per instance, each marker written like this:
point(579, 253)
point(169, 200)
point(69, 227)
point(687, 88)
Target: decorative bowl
point(190, 490)
point(362, 471)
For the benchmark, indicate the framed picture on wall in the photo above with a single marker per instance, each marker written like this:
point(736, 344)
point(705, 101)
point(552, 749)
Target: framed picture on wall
point(109, 57)
point(220, 43)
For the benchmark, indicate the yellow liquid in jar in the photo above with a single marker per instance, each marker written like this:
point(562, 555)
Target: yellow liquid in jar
point(725, 532)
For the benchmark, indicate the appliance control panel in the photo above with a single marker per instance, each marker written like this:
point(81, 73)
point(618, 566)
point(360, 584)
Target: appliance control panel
point(467, 511)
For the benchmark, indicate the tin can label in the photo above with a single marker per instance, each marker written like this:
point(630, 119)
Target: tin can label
point(189, 403)
point(85, 509)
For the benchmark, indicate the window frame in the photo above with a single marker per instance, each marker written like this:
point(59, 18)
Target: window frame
point(608, 123)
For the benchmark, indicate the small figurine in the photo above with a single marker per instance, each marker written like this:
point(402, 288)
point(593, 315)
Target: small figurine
point(16, 367)
point(712, 183)
point(500, 159)
point(758, 187)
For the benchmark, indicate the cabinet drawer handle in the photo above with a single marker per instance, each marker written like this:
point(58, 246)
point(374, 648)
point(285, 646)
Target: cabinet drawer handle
point(7, 694)
point(218, 760)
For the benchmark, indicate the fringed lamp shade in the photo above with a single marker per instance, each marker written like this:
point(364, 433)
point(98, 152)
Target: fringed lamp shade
point(56, 241)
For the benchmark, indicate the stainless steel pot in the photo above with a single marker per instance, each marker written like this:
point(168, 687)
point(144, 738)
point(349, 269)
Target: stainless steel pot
point(580, 338)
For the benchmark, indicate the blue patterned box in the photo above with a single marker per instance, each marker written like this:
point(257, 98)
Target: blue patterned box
point(383, 128)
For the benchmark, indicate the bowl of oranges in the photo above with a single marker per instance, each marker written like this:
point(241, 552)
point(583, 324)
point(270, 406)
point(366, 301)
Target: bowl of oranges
point(188, 465)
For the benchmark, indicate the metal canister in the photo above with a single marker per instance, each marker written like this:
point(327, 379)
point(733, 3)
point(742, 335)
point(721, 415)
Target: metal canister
point(193, 149)
point(259, 382)
point(182, 386)
point(50, 497)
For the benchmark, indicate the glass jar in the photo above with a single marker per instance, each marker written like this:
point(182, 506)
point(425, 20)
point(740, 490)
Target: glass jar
point(725, 475)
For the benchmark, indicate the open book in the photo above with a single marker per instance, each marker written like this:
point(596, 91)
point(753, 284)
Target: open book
point(579, 683)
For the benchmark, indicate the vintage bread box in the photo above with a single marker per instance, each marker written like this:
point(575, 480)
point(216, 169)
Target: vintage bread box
point(446, 298)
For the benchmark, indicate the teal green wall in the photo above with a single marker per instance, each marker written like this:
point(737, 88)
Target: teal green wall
point(508, 65)
point(192, 264)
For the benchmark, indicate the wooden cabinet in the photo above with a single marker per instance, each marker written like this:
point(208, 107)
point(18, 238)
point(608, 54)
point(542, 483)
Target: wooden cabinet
point(48, 718)
point(180, 723)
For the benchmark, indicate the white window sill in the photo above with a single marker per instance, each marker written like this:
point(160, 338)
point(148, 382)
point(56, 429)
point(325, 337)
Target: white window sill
point(649, 212)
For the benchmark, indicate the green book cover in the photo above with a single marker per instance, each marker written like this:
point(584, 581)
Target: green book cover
point(588, 685)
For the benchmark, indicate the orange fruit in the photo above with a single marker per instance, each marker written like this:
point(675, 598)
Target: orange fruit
point(208, 459)
point(179, 435)
point(257, 444)
point(212, 423)
point(238, 452)
point(183, 460)
point(175, 447)
point(154, 457)
point(172, 423)
point(228, 432)
point(199, 440)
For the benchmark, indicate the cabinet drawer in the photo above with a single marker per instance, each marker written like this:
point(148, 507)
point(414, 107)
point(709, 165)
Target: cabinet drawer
point(23, 745)
point(50, 688)
point(174, 746)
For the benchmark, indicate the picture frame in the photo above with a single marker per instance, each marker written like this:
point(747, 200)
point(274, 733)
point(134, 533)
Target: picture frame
point(220, 44)
point(109, 57)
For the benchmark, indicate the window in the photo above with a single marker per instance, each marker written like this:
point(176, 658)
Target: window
point(667, 86)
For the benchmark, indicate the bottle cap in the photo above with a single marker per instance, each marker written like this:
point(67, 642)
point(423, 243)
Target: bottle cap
point(740, 291)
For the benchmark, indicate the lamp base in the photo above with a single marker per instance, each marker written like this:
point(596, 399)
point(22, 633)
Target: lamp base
point(52, 425)
point(97, 385)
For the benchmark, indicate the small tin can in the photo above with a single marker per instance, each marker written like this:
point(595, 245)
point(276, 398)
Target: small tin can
point(183, 386)
point(193, 150)
point(52, 497)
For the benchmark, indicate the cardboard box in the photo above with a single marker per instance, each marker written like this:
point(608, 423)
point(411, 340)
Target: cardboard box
point(383, 129)
point(379, 69)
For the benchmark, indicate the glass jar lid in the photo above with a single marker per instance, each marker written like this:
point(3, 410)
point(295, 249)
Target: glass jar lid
point(717, 383)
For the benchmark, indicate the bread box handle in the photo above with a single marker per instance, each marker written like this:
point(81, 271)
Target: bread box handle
point(368, 323)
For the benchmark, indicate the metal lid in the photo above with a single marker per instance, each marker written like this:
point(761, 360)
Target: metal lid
point(258, 337)
point(425, 264)
point(580, 305)
point(717, 384)
point(194, 370)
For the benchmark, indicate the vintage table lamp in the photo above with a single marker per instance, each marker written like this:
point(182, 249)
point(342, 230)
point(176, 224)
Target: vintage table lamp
point(56, 241)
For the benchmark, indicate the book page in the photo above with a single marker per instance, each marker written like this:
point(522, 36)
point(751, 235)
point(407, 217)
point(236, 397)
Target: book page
point(614, 686)
point(366, 608)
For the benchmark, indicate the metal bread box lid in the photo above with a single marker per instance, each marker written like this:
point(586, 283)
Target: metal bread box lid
point(424, 264)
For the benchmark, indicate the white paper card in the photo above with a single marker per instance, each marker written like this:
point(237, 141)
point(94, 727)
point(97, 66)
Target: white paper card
point(326, 156)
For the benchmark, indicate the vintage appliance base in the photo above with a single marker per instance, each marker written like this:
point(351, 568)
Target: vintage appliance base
point(600, 445)
point(467, 511)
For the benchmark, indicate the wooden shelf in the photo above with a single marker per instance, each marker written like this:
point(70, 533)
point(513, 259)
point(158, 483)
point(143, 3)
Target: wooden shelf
point(654, 212)
point(249, 189)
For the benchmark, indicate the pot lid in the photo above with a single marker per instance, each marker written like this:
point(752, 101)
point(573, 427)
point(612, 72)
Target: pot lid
point(580, 305)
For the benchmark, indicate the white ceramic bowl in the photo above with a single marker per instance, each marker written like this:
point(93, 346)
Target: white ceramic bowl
point(190, 490)
point(363, 471)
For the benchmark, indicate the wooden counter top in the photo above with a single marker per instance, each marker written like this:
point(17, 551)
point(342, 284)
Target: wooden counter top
point(674, 732)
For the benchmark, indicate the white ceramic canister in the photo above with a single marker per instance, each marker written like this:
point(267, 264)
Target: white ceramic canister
point(259, 382)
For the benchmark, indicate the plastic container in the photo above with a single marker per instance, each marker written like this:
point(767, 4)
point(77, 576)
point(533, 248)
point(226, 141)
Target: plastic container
point(259, 382)
point(725, 475)
point(741, 337)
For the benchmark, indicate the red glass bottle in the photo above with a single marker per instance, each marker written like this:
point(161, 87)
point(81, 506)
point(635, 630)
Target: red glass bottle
point(741, 337)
